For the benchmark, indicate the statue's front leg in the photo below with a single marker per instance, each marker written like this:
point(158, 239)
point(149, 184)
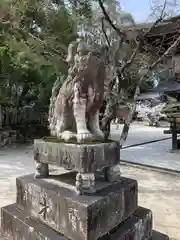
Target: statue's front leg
point(61, 116)
point(95, 126)
point(79, 110)
point(60, 126)
point(52, 126)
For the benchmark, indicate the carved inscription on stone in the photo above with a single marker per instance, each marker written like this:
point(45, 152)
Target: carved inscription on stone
point(67, 160)
point(83, 158)
point(32, 197)
point(43, 208)
point(73, 218)
point(24, 195)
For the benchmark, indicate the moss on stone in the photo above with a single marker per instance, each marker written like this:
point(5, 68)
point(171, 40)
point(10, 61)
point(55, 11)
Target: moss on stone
point(56, 140)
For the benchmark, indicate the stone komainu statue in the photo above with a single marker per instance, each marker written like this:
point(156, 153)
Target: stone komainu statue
point(75, 112)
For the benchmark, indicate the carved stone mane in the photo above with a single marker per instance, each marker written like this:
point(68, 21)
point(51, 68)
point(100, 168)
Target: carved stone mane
point(76, 109)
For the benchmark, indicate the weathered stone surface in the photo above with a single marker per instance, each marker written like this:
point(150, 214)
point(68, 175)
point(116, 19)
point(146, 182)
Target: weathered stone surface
point(144, 226)
point(74, 108)
point(83, 158)
point(77, 217)
point(17, 226)
point(159, 236)
point(137, 227)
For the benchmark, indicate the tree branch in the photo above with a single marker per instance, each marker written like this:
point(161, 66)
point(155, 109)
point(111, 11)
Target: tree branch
point(104, 32)
point(144, 36)
point(119, 72)
point(167, 52)
point(22, 32)
point(108, 19)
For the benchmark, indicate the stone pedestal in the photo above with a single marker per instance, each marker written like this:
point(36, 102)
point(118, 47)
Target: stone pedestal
point(85, 159)
point(48, 206)
point(54, 202)
point(14, 223)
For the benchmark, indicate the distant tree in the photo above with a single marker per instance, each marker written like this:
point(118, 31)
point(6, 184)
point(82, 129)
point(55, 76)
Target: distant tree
point(34, 36)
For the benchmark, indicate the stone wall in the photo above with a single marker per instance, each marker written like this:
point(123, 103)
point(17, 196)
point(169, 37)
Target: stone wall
point(7, 136)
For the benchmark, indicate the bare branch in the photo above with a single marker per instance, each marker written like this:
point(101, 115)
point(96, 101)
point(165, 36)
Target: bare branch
point(167, 52)
point(104, 32)
point(108, 19)
point(157, 21)
point(124, 133)
point(138, 46)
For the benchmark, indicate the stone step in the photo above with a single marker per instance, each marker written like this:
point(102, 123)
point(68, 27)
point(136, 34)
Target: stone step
point(159, 236)
point(7, 136)
point(17, 226)
point(88, 217)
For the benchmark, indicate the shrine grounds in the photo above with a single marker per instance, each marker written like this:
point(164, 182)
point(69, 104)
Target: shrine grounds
point(158, 191)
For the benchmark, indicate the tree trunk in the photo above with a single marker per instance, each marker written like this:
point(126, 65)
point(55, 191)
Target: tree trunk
point(1, 117)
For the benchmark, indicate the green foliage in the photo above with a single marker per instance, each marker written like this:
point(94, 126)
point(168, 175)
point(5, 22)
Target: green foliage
point(34, 37)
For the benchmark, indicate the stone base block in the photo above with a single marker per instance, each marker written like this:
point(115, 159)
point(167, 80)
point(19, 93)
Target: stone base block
point(138, 226)
point(159, 236)
point(16, 226)
point(54, 203)
point(83, 158)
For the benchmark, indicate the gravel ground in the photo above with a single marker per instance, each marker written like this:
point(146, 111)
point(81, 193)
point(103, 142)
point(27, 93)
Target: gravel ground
point(157, 191)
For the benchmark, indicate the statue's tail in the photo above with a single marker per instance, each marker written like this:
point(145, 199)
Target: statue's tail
point(124, 134)
point(52, 116)
point(125, 131)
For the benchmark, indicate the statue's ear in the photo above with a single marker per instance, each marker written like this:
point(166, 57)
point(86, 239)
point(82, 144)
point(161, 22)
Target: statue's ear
point(72, 49)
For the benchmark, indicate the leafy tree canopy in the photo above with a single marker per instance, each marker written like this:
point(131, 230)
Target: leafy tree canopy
point(34, 37)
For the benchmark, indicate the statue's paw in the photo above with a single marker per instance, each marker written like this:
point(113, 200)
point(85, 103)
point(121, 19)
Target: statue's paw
point(60, 126)
point(59, 129)
point(98, 134)
point(67, 136)
point(84, 136)
point(53, 133)
point(52, 126)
